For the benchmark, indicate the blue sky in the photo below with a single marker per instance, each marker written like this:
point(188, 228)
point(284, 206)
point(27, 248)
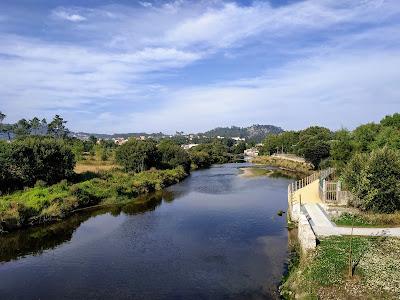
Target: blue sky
point(130, 66)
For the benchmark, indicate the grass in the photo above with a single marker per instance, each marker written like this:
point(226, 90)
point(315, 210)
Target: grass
point(43, 204)
point(95, 165)
point(324, 275)
point(368, 220)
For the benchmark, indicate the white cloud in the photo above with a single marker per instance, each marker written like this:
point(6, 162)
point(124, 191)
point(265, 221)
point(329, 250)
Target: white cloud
point(145, 4)
point(67, 15)
point(112, 65)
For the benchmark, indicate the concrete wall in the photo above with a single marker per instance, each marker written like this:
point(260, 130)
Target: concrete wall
point(306, 236)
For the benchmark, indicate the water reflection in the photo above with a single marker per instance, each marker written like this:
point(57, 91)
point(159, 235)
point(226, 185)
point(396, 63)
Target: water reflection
point(35, 240)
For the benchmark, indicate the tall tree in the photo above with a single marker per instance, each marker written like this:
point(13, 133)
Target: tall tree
point(2, 117)
point(22, 128)
point(57, 127)
point(35, 125)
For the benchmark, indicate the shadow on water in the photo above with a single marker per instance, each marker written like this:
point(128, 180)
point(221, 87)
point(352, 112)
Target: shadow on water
point(36, 240)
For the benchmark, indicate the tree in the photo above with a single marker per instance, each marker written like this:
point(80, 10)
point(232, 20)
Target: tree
point(284, 141)
point(8, 181)
point(341, 148)
point(28, 160)
point(172, 155)
point(35, 125)
point(138, 156)
point(313, 149)
point(22, 128)
point(365, 135)
point(387, 136)
point(239, 148)
point(391, 120)
point(374, 178)
point(44, 159)
point(57, 128)
point(2, 117)
point(200, 159)
point(217, 151)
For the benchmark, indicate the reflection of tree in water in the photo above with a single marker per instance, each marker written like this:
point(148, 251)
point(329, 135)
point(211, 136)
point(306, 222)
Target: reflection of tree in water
point(35, 240)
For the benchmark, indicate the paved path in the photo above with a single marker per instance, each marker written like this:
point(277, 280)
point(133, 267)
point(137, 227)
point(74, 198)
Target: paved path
point(322, 226)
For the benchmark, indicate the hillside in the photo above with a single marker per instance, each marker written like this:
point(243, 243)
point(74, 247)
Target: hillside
point(254, 133)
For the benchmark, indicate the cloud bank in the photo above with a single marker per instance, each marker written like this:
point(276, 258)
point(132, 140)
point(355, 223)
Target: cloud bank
point(190, 66)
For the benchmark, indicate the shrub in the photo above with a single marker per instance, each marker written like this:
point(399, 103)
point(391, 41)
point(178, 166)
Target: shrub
point(138, 156)
point(375, 180)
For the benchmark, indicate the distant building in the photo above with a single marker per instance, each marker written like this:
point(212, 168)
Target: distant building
point(252, 152)
point(120, 140)
point(237, 139)
point(188, 146)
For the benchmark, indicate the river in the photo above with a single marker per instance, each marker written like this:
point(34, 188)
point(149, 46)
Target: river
point(215, 235)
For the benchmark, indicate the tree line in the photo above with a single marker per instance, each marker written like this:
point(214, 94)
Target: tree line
point(367, 158)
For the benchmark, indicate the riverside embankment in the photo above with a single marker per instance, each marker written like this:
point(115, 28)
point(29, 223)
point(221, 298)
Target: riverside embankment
point(334, 262)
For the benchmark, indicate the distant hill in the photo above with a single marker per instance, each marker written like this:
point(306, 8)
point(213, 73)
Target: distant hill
point(254, 133)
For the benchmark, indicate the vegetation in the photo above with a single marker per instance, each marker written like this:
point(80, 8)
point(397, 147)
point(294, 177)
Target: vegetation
point(374, 180)
point(375, 267)
point(172, 155)
point(138, 156)
point(48, 203)
point(24, 162)
point(255, 133)
point(217, 152)
point(301, 167)
point(368, 220)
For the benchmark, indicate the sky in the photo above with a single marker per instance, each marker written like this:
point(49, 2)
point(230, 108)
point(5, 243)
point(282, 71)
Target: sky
point(133, 66)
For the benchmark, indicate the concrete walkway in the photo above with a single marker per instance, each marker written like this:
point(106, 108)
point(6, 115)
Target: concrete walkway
point(322, 226)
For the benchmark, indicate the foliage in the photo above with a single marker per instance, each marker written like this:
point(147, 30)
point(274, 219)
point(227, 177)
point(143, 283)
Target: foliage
point(239, 148)
point(138, 156)
point(391, 121)
point(40, 204)
point(364, 136)
point(200, 159)
point(216, 150)
point(375, 180)
point(31, 159)
point(255, 133)
point(280, 142)
point(342, 148)
point(172, 155)
point(313, 149)
point(368, 219)
point(56, 127)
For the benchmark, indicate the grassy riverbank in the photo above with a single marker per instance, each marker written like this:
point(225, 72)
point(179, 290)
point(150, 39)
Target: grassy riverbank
point(42, 204)
point(325, 273)
point(285, 164)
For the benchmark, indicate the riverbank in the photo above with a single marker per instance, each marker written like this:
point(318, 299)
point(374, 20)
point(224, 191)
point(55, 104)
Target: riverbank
point(285, 164)
point(268, 171)
point(324, 274)
point(45, 204)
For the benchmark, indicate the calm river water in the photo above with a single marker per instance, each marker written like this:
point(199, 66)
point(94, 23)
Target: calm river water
point(216, 235)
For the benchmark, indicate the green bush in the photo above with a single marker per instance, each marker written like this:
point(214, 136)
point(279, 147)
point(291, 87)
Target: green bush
point(138, 156)
point(374, 179)
point(25, 161)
